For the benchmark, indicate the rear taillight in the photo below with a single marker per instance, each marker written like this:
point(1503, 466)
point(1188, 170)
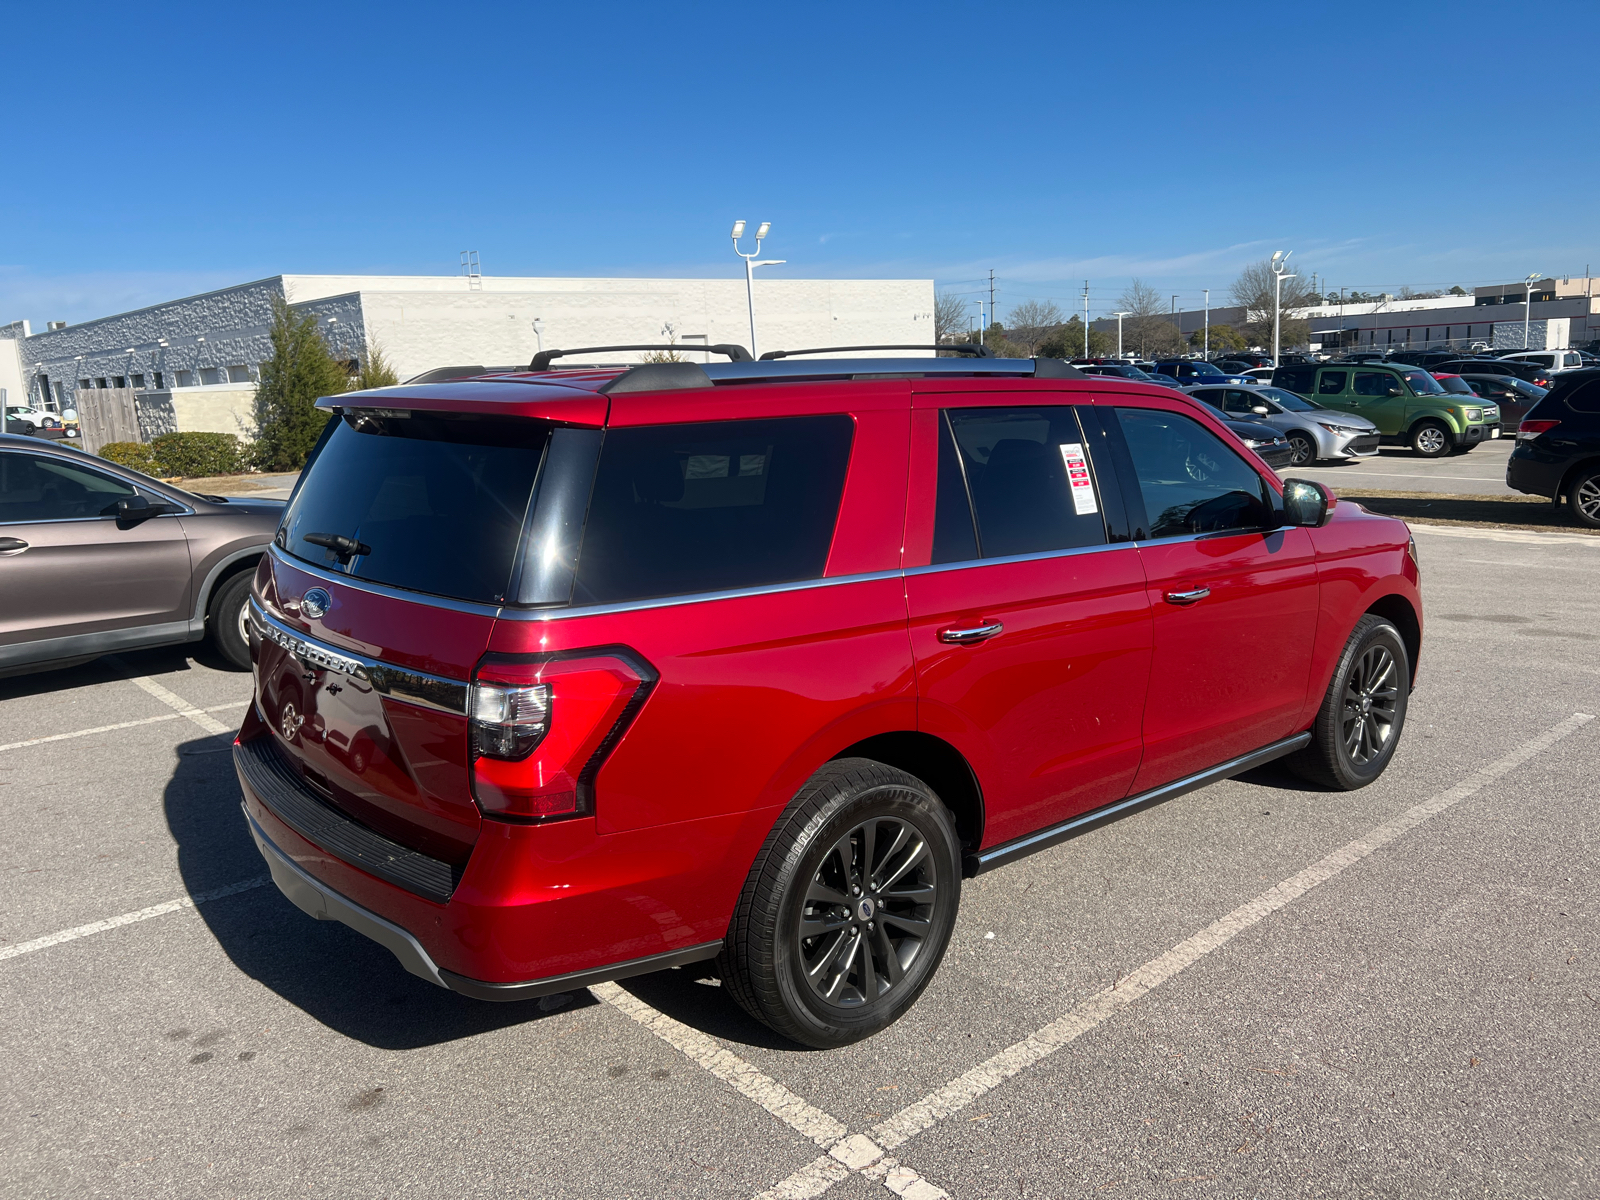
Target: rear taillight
point(1529, 430)
point(542, 727)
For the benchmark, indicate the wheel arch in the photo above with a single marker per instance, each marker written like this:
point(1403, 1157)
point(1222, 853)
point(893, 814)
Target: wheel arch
point(1397, 611)
point(1573, 471)
point(234, 564)
point(939, 765)
point(1432, 417)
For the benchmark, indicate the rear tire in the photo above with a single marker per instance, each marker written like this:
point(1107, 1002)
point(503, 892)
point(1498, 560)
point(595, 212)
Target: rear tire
point(1430, 439)
point(1583, 498)
point(226, 620)
point(1363, 713)
point(848, 909)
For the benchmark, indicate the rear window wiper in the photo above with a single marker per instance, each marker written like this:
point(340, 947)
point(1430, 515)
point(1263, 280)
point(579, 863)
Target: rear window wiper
point(345, 548)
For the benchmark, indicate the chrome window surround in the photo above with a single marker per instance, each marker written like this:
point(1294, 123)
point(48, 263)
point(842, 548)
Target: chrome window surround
point(398, 683)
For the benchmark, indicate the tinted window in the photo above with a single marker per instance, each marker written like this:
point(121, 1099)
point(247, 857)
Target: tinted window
point(1243, 404)
point(1374, 383)
point(1331, 383)
point(1584, 398)
point(1030, 480)
point(1212, 396)
point(439, 501)
point(1296, 379)
point(38, 488)
point(712, 506)
point(955, 538)
point(1191, 482)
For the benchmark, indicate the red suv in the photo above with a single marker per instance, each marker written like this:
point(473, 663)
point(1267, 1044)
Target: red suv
point(564, 676)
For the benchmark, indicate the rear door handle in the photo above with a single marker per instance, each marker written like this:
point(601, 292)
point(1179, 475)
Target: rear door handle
point(971, 633)
point(1190, 597)
point(11, 545)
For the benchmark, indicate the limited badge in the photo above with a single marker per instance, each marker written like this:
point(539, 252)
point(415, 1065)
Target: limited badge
point(315, 603)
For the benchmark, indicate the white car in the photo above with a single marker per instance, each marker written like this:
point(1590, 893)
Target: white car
point(1556, 360)
point(39, 420)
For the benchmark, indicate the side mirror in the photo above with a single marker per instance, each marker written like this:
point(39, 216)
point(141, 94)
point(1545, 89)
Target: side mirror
point(1396, 390)
point(130, 510)
point(1304, 504)
point(1261, 410)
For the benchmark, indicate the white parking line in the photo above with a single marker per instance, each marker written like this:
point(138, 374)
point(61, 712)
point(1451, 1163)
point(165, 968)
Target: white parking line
point(179, 705)
point(78, 733)
point(1528, 537)
point(1089, 1014)
point(143, 914)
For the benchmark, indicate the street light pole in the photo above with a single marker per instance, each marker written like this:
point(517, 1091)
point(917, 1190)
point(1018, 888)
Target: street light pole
point(1118, 316)
point(1527, 305)
point(1280, 263)
point(1176, 324)
point(750, 265)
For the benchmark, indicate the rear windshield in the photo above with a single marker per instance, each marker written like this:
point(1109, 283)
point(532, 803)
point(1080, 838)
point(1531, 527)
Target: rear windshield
point(432, 502)
point(712, 506)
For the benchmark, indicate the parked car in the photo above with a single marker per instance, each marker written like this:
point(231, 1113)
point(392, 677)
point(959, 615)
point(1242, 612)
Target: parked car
point(99, 558)
point(1133, 373)
point(1251, 358)
point(1406, 404)
point(1528, 372)
point(1191, 372)
point(1257, 375)
point(1454, 384)
point(1513, 396)
point(32, 416)
point(1551, 360)
point(1427, 359)
point(1360, 356)
point(788, 659)
point(1558, 447)
point(1270, 446)
point(1312, 431)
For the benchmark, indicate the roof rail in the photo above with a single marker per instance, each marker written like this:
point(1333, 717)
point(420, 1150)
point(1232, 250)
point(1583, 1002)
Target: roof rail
point(543, 359)
point(973, 349)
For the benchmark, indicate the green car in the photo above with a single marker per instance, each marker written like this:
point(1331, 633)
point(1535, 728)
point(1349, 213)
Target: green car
point(1406, 403)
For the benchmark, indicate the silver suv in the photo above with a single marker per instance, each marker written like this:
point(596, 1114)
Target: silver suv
point(1313, 431)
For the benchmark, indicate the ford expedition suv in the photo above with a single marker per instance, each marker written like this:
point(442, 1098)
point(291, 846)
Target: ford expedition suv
point(564, 676)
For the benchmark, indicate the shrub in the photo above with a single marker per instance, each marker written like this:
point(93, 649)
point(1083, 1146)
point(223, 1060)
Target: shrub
point(299, 371)
point(130, 454)
point(185, 455)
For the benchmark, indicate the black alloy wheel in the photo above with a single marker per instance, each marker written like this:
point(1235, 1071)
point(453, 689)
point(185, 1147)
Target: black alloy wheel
point(1302, 450)
point(1363, 711)
point(868, 912)
point(1583, 498)
point(848, 907)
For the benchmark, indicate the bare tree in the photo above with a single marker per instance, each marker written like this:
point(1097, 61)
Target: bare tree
point(1030, 322)
point(952, 317)
point(1252, 291)
point(1150, 329)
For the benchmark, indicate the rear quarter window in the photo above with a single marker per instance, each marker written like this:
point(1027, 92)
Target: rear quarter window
point(712, 506)
point(1583, 397)
point(1296, 379)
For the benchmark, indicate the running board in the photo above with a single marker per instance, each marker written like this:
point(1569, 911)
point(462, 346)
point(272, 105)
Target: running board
point(999, 856)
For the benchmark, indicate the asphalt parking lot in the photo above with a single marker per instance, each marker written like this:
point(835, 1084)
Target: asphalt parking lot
point(1479, 472)
point(1252, 991)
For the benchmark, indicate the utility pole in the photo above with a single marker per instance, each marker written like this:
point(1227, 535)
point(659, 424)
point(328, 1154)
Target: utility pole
point(1206, 351)
point(991, 295)
point(1086, 318)
point(1176, 324)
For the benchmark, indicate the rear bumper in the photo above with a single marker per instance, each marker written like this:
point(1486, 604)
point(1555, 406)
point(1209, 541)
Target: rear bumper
point(536, 910)
point(1534, 472)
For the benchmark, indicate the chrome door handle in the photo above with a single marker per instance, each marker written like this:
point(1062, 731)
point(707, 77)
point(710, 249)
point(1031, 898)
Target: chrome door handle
point(974, 633)
point(1189, 597)
point(11, 545)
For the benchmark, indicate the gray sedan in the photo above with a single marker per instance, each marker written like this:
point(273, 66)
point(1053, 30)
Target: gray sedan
point(1313, 431)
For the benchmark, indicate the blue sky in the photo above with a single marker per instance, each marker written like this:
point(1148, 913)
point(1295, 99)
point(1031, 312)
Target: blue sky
point(161, 149)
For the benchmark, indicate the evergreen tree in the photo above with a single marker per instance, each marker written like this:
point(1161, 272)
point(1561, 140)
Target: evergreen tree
point(299, 372)
point(375, 370)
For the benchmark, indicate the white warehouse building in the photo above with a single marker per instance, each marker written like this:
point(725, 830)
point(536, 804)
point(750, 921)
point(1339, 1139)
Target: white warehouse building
point(198, 359)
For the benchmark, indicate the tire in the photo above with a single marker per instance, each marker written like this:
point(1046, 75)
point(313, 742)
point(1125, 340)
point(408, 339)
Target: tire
point(1583, 498)
point(1302, 451)
point(1430, 439)
point(1351, 741)
point(850, 978)
point(225, 622)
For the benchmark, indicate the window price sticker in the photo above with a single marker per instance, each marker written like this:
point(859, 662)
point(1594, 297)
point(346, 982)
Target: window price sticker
point(1078, 477)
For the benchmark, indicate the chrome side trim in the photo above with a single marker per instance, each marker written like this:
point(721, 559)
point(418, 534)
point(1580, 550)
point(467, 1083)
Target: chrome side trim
point(380, 589)
point(398, 683)
point(770, 589)
point(967, 564)
point(997, 856)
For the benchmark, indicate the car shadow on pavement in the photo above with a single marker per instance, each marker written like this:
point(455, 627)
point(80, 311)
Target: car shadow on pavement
point(350, 984)
point(693, 996)
point(109, 668)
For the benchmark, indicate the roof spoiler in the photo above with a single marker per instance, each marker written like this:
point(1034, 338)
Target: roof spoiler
point(543, 359)
point(976, 351)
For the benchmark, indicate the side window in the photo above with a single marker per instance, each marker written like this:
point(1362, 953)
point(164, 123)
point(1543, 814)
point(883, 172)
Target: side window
point(1295, 379)
point(1373, 383)
point(1027, 471)
point(37, 488)
point(1584, 398)
point(955, 537)
point(1212, 396)
point(1572, 360)
point(1331, 383)
point(1240, 403)
point(1191, 482)
point(712, 506)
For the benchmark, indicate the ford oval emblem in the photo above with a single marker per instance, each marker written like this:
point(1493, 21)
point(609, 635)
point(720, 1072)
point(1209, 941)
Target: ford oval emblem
point(315, 602)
